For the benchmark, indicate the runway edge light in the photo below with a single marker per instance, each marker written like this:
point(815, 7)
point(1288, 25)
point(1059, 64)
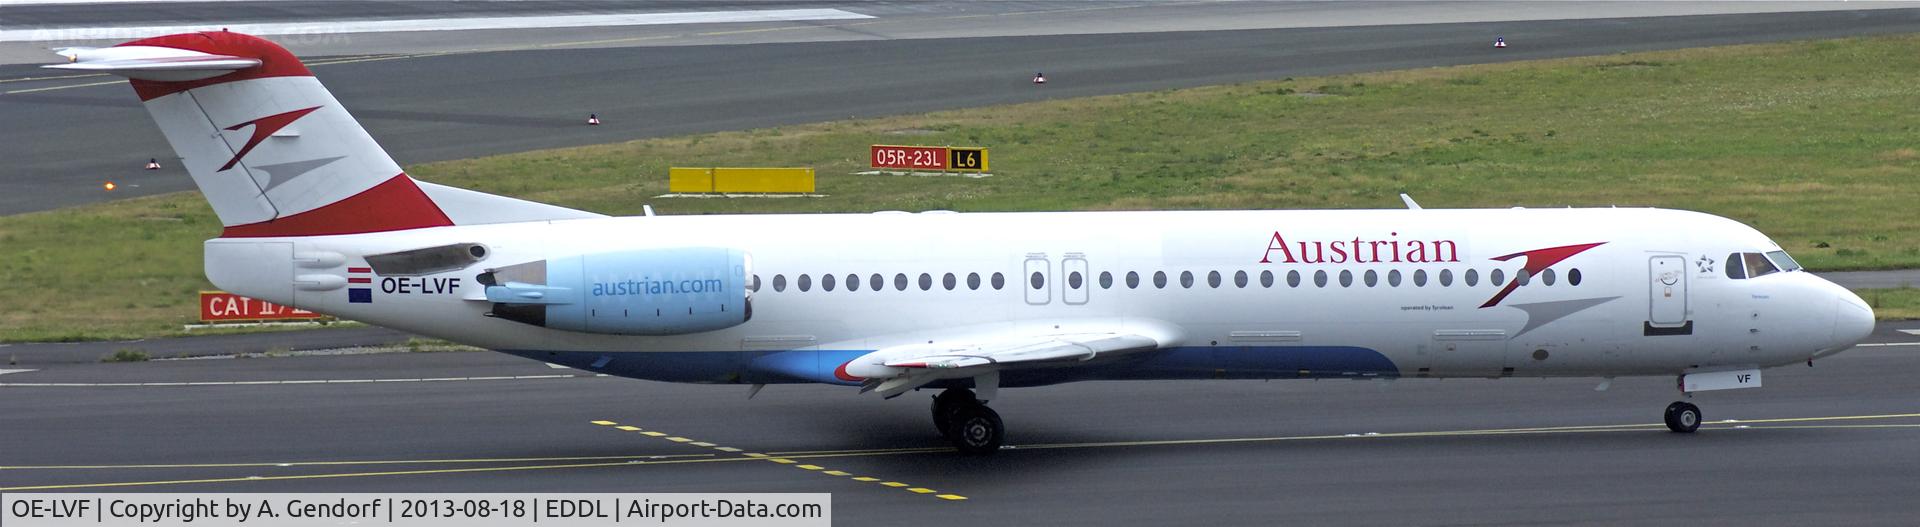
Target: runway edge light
point(153, 163)
point(593, 119)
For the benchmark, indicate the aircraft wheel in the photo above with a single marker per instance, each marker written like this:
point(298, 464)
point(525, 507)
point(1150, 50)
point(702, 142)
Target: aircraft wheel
point(944, 405)
point(976, 430)
point(1683, 417)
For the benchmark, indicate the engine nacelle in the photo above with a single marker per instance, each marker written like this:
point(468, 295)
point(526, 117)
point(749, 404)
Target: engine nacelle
point(642, 292)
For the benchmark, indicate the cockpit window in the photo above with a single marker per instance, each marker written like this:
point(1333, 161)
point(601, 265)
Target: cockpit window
point(1735, 270)
point(1758, 265)
point(1782, 261)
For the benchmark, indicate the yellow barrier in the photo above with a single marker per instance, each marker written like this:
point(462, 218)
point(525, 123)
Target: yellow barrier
point(740, 180)
point(682, 180)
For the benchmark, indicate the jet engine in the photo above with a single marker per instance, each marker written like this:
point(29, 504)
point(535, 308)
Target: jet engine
point(668, 291)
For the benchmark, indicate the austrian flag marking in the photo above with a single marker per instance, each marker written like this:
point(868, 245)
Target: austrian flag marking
point(361, 276)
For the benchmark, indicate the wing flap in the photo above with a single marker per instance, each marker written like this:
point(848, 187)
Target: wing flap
point(897, 370)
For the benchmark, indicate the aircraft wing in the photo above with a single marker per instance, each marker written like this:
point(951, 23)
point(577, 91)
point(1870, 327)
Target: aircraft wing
point(896, 370)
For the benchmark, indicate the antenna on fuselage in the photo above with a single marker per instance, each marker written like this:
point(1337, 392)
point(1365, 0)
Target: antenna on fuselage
point(1409, 200)
point(646, 209)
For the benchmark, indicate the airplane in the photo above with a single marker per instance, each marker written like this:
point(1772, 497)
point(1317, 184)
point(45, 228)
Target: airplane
point(315, 215)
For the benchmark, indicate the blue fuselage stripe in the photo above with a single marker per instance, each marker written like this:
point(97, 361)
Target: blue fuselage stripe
point(817, 366)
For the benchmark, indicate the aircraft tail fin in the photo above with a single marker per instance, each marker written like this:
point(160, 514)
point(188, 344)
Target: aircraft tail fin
point(273, 151)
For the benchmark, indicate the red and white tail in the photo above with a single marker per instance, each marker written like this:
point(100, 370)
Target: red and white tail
point(273, 151)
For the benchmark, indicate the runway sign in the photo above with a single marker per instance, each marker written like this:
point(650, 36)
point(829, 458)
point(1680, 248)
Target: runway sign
point(943, 158)
point(740, 180)
point(221, 306)
point(967, 159)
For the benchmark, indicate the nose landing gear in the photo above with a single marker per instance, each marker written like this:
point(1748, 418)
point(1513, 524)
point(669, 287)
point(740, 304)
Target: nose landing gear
point(1683, 417)
point(966, 422)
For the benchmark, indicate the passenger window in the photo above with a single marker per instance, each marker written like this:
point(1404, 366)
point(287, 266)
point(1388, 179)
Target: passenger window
point(1393, 278)
point(1074, 280)
point(1522, 277)
point(805, 283)
point(1266, 278)
point(853, 282)
point(826, 282)
point(779, 283)
point(926, 282)
point(1573, 276)
point(999, 281)
point(1497, 277)
point(900, 281)
point(1446, 278)
point(1038, 281)
point(1293, 278)
point(1133, 280)
point(1320, 278)
point(878, 283)
point(949, 281)
point(1240, 279)
point(973, 281)
point(1546, 277)
point(1106, 280)
point(1419, 277)
point(1371, 278)
point(1346, 278)
point(1213, 279)
point(1186, 279)
point(754, 285)
point(1160, 279)
point(1472, 278)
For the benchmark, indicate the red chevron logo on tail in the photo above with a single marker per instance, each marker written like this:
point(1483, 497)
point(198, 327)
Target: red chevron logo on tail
point(263, 128)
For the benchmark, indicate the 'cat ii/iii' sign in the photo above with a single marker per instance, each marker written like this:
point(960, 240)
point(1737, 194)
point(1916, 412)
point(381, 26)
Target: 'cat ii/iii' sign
point(944, 158)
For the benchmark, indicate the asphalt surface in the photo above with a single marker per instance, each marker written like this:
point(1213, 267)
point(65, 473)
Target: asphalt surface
point(1830, 444)
point(65, 136)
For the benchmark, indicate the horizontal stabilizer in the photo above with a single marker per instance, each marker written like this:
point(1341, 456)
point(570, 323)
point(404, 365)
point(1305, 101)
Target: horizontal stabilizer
point(152, 63)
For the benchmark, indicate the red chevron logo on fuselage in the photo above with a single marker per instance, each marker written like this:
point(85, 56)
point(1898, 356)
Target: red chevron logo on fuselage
point(263, 128)
point(1537, 260)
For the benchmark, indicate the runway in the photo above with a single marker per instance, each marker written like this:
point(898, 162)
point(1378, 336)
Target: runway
point(1833, 443)
point(67, 135)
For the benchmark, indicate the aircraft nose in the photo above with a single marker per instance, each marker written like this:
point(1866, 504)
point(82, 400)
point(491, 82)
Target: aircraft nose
point(1852, 319)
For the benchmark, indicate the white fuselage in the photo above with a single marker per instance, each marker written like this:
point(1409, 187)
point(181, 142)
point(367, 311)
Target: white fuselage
point(1407, 293)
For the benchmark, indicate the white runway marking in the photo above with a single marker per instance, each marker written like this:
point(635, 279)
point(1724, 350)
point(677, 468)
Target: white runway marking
point(432, 24)
point(1909, 331)
point(1885, 344)
point(5, 371)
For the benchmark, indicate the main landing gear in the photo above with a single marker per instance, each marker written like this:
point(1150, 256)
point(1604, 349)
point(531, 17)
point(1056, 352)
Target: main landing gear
point(966, 422)
point(1683, 417)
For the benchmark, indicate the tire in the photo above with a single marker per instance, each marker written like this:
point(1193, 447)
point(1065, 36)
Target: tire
point(944, 405)
point(1683, 418)
point(976, 430)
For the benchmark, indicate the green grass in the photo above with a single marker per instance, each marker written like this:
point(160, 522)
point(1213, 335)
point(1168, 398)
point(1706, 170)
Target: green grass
point(1814, 143)
point(1902, 303)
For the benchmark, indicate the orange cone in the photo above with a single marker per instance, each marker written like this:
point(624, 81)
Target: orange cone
point(1039, 78)
point(152, 164)
point(593, 119)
